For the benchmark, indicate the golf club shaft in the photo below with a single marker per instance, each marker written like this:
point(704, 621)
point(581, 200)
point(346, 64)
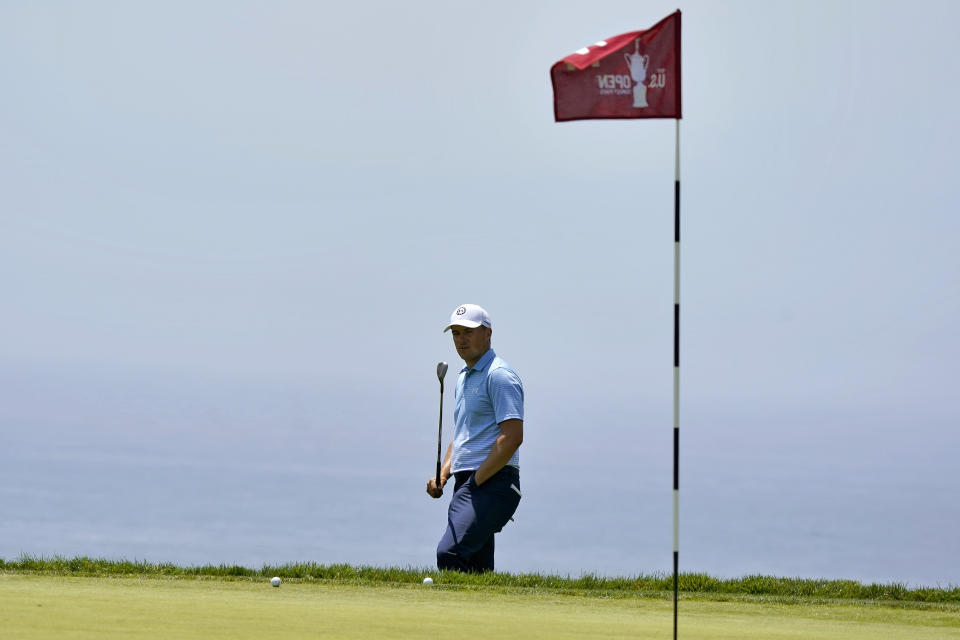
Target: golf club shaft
point(440, 434)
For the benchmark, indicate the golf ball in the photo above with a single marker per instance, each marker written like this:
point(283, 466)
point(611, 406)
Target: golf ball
point(275, 581)
point(428, 581)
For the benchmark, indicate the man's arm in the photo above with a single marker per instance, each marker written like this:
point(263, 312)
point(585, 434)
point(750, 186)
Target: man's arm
point(432, 488)
point(509, 440)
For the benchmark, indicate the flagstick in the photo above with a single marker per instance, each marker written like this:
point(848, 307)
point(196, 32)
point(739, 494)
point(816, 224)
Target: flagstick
point(676, 381)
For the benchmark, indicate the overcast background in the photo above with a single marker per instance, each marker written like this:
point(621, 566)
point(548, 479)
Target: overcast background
point(231, 232)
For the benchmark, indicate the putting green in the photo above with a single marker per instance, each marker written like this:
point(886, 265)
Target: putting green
point(68, 607)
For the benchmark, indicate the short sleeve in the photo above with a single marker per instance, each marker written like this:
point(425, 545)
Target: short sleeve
point(506, 394)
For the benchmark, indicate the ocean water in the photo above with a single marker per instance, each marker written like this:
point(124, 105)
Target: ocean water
point(211, 475)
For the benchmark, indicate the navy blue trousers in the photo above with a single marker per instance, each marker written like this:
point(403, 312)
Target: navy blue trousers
point(476, 513)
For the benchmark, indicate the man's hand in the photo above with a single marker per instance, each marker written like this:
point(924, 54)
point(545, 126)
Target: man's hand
point(433, 490)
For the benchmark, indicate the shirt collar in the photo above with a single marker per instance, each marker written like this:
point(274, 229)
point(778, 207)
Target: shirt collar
point(482, 362)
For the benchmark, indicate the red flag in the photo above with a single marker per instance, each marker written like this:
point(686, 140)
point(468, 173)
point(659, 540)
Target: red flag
point(633, 75)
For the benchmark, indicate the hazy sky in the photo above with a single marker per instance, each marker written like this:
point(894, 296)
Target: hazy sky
point(295, 195)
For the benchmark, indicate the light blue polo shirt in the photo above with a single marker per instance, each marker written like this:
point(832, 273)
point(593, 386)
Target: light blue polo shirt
point(487, 394)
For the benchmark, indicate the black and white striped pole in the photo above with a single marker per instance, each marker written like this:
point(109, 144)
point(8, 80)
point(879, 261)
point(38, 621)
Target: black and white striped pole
point(676, 381)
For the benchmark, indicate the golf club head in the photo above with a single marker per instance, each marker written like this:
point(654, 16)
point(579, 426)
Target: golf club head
point(441, 371)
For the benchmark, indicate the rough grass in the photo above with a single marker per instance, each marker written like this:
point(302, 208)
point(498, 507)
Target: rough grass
point(692, 585)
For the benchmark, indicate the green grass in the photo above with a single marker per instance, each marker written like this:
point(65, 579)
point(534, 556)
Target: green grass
point(657, 586)
point(56, 604)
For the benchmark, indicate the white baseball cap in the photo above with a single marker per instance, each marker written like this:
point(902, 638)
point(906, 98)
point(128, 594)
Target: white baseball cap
point(470, 316)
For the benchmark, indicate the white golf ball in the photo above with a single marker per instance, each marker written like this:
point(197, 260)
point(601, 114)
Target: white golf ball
point(275, 581)
point(428, 581)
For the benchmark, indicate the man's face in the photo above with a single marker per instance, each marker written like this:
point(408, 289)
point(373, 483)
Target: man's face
point(471, 344)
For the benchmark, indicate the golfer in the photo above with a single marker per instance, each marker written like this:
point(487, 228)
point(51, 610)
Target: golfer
point(483, 457)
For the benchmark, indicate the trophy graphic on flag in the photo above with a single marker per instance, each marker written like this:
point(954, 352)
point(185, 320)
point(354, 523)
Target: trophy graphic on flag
point(638, 71)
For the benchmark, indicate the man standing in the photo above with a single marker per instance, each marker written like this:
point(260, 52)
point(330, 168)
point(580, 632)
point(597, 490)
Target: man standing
point(483, 457)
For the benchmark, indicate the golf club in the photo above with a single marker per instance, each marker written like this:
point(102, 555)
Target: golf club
point(441, 374)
